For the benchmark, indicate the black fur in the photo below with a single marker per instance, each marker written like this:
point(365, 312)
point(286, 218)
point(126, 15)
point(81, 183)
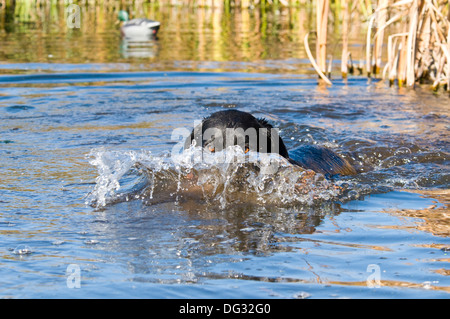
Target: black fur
point(234, 119)
point(321, 160)
point(316, 158)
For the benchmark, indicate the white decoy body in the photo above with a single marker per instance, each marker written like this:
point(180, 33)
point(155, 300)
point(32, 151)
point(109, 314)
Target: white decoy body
point(137, 27)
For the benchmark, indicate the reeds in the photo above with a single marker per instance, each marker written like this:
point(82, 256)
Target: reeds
point(420, 52)
point(345, 31)
point(406, 41)
point(321, 41)
point(188, 3)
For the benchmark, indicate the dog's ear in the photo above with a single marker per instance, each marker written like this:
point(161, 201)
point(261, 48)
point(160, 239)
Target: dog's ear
point(264, 123)
point(282, 150)
point(189, 140)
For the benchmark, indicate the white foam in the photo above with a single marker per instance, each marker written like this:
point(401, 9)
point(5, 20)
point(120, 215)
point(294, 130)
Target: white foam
point(224, 177)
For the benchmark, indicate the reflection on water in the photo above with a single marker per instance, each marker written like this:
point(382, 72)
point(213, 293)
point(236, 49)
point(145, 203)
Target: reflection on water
point(186, 34)
point(139, 47)
point(434, 219)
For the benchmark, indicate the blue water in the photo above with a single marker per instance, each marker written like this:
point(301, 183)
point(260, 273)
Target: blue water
point(392, 222)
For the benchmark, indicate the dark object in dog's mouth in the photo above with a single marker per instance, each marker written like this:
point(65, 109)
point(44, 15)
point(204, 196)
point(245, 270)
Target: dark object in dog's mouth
point(232, 127)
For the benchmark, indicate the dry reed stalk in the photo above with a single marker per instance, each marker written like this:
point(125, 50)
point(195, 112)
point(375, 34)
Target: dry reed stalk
point(313, 62)
point(330, 65)
point(411, 44)
point(424, 51)
point(393, 74)
point(321, 23)
point(345, 24)
point(440, 80)
point(381, 16)
point(390, 50)
point(447, 50)
point(368, 45)
point(393, 56)
point(401, 69)
point(423, 56)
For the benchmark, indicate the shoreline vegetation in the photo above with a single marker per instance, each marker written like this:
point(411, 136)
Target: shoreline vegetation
point(404, 42)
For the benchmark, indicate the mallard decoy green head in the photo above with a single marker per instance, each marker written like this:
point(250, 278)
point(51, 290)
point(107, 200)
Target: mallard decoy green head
point(123, 15)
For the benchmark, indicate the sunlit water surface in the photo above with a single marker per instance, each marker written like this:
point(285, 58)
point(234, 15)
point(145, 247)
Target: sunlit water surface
point(89, 128)
point(70, 144)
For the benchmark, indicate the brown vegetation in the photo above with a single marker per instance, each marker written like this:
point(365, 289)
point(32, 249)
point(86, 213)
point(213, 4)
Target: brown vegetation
point(407, 41)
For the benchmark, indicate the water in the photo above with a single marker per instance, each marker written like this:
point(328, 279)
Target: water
point(90, 193)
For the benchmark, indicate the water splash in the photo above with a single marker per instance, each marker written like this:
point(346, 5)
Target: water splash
point(223, 178)
point(22, 250)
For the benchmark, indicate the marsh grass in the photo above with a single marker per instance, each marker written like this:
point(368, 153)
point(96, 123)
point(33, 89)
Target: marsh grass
point(418, 53)
point(407, 41)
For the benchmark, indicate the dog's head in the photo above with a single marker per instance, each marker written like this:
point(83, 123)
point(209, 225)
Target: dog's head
point(233, 127)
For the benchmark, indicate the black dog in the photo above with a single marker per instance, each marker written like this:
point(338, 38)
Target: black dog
point(233, 127)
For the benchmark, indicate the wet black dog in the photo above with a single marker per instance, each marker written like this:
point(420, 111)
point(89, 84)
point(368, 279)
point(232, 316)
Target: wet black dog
point(233, 127)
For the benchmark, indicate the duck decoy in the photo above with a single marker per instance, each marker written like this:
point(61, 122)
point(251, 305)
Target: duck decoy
point(137, 27)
